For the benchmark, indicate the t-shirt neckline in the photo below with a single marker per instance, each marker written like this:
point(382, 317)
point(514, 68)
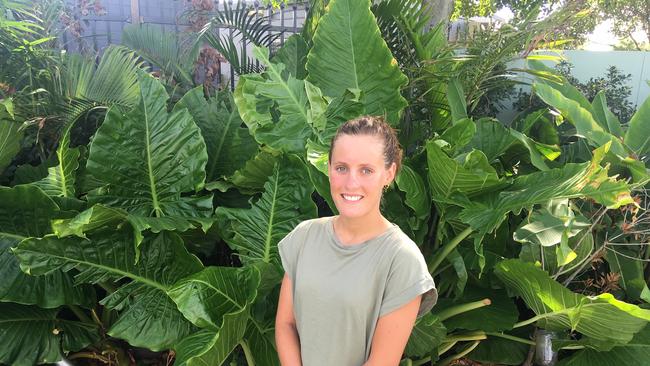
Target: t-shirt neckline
point(354, 247)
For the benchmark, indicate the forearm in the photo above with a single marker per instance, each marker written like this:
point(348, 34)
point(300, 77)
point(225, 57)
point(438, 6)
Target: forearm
point(288, 344)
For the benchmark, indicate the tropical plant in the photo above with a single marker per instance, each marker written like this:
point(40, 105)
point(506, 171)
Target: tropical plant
point(241, 23)
point(615, 85)
point(161, 232)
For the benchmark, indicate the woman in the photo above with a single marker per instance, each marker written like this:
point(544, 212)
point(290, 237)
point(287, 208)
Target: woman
point(354, 283)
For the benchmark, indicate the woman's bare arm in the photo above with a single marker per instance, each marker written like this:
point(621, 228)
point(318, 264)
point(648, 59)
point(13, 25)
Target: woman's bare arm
point(392, 333)
point(286, 333)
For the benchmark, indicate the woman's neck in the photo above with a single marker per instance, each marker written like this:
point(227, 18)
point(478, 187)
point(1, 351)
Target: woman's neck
point(357, 230)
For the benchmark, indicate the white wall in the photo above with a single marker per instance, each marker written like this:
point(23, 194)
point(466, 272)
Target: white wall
point(588, 64)
point(592, 63)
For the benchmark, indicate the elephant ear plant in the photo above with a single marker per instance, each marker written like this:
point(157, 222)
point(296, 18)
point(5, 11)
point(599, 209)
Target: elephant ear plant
point(161, 234)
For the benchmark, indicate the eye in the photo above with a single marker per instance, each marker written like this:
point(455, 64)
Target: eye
point(366, 171)
point(341, 169)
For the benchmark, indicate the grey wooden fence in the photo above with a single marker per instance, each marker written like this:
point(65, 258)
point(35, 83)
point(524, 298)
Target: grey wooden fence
point(99, 31)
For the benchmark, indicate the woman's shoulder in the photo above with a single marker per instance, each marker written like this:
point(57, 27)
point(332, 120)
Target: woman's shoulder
point(308, 227)
point(403, 245)
point(317, 223)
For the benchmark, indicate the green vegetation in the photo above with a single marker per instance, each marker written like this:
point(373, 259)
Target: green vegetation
point(142, 212)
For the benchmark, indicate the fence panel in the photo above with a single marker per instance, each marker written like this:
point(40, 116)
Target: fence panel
point(100, 31)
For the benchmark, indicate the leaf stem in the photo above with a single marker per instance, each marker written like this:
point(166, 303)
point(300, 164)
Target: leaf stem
point(421, 362)
point(576, 347)
point(462, 308)
point(89, 355)
point(511, 337)
point(250, 360)
point(448, 248)
point(464, 352)
point(478, 335)
point(96, 318)
point(596, 252)
point(446, 346)
point(451, 341)
point(106, 317)
point(532, 320)
point(80, 314)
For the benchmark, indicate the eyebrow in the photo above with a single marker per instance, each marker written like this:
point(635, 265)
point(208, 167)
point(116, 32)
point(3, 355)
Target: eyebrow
point(345, 163)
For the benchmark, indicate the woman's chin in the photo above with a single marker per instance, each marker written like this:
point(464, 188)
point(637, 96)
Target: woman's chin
point(351, 212)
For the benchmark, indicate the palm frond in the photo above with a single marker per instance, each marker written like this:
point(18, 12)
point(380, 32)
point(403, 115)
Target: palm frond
point(85, 86)
point(115, 80)
point(238, 22)
point(403, 24)
point(161, 49)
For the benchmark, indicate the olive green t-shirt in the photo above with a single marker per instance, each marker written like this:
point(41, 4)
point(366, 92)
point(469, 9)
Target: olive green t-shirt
point(340, 291)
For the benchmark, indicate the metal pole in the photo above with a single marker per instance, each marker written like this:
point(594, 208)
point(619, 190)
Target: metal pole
point(282, 24)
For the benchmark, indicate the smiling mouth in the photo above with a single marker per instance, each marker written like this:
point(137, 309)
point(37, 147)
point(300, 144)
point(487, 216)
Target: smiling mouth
point(351, 197)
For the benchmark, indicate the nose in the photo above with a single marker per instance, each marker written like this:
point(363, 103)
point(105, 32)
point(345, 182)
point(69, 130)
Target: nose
point(352, 181)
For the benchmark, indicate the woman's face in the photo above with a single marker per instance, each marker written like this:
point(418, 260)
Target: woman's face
point(358, 174)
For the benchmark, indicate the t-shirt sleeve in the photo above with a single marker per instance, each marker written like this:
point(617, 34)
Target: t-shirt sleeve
point(288, 248)
point(408, 277)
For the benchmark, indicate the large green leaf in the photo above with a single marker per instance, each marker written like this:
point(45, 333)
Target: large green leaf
point(409, 210)
point(61, 179)
point(279, 109)
point(10, 138)
point(570, 181)
point(428, 333)
point(293, 55)
point(544, 228)
point(459, 134)
point(218, 299)
point(96, 218)
point(260, 338)
point(255, 171)
point(26, 212)
point(456, 99)
point(447, 176)
point(30, 335)
point(604, 116)
point(637, 136)
point(494, 139)
point(148, 317)
point(548, 76)
point(318, 156)
point(627, 264)
point(348, 52)
point(286, 201)
point(395, 210)
point(417, 197)
point(147, 158)
point(580, 245)
point(500, 351)
point(581, 117)
point(229, 145)
point(636, 352)
point(558, 308)
point(340, 110)
point(208, 347)
point(500, 315)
